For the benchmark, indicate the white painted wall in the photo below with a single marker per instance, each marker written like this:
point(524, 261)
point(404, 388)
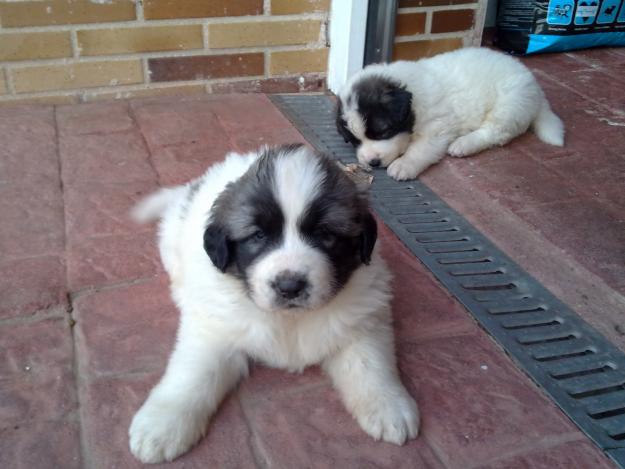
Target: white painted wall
point(348, 25)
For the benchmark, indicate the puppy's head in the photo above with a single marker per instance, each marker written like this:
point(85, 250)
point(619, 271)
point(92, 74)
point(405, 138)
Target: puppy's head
point(293, 228)
point(375, 114)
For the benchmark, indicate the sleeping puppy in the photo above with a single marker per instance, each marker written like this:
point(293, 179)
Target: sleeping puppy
point(407, 115)
point(271, 257)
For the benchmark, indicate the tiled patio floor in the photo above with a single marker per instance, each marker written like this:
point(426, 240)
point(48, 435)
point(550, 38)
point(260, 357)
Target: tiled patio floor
point(559, 212)
point(86, 323)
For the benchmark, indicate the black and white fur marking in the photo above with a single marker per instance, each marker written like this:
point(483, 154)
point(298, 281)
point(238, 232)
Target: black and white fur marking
point(407, 115)
point(272, 257)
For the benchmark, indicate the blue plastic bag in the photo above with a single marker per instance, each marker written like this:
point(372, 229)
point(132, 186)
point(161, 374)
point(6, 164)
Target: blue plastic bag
point(528, 27)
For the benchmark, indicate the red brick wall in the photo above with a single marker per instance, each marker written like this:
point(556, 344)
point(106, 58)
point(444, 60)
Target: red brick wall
point(81, 50)
point(428, 27)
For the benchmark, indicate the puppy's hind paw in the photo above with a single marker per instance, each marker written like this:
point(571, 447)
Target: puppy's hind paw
point(465, 145)
point(457, 149)
point(392, 419)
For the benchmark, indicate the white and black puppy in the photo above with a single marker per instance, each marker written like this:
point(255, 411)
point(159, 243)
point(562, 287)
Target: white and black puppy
point(272, 257)
point(460, 103)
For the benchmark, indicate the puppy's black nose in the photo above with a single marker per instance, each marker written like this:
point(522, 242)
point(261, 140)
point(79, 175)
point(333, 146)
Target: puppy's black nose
point(290, 286)
point(374, 162)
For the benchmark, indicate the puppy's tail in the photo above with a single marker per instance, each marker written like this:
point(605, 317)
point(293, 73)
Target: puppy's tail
point(548, 127)
point(154, 205)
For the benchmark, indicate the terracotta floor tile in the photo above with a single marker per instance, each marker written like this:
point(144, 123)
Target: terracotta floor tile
point(94, 118)
point(251, 121)
point(609, 60)
point(32, 219)
point(36, 120)
point(248, 142)
point(565, 456)
point(180, 163)
point(28, 150)
point(41, 445)
point(101, 209)
point(31, 285)
point(111, 158)
point(36, 373)
point(601, 175)
point(475, 404)
point(517, 180)
point(583, 116)
point(311, 428)
point(587, 230)
point(108, 408)
point(106, 260)
point(264, 380)
point(596, 85)
point(175, 121)
point(554, 63)
point(125, 329)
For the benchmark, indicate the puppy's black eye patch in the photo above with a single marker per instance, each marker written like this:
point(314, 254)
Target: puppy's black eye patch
point(386, 107)
point(385, 133)
point(382, 128)
point(325, 236)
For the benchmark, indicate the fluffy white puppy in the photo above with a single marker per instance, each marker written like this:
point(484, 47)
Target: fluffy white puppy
point(460, 102)
point(271, 257)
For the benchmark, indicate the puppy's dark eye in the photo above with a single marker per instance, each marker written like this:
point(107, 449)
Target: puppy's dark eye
point(257, 237)
point(326, 237)
point(381, 131)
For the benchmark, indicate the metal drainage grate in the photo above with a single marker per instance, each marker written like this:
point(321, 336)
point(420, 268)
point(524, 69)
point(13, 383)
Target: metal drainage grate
point(582, 371)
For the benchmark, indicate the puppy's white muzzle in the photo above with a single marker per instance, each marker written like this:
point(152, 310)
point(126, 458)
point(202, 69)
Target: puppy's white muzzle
point(293, 276)
point(382, 152)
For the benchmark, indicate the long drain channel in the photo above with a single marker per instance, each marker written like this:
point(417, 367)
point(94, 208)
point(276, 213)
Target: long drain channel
point(582, 371)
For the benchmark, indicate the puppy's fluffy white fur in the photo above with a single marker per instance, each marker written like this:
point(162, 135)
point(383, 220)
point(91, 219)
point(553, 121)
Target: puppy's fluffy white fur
point(221, 324)
point(463, 101)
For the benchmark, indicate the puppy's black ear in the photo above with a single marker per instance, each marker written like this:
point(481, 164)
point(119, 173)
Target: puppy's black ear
point(340, 123)
point(400, 104)
point(342, 127)
point(217, 246)
point(368, 238)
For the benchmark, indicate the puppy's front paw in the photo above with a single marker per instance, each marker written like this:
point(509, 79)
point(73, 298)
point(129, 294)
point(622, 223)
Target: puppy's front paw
point(393, 419)
point(402, 170)
point(162, 431)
